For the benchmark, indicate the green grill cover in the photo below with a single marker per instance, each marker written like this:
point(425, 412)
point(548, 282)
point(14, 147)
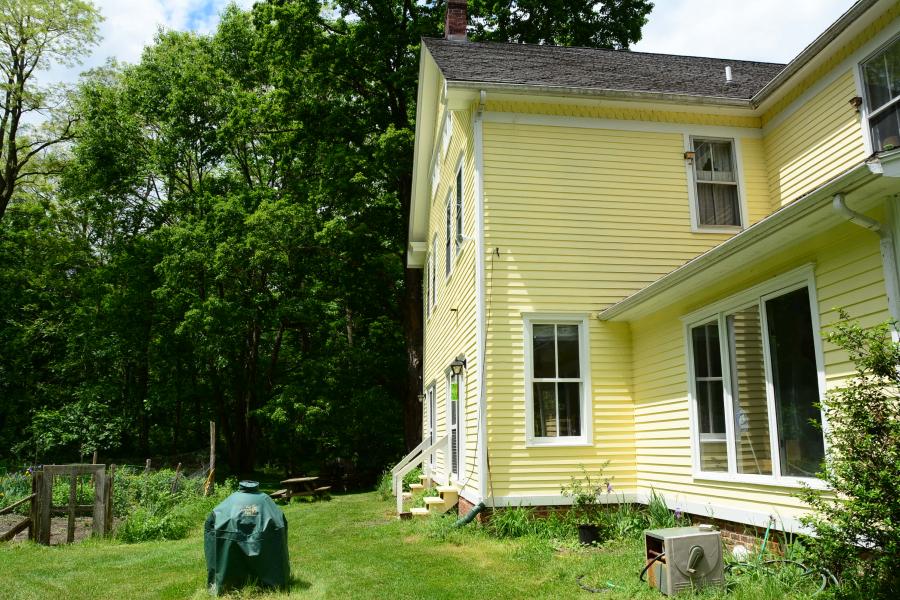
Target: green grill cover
point(246, 541)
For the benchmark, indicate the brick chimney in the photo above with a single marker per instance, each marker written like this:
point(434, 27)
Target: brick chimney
point(455, 23)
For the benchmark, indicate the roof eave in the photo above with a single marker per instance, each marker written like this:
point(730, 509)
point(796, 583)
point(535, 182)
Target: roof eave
point(813, 49)
point(631, 307)
point(554, 90)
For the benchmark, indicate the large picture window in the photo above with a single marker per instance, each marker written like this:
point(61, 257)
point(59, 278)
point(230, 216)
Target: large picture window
point(755, 386)
point(881, 80)
point(557, 380)
point(715, 178)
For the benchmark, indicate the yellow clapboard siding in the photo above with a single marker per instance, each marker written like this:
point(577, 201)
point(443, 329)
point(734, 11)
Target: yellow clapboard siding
point(661, 412)
point(818, 141)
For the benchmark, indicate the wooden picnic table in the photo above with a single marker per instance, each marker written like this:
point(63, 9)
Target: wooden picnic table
point(301, 486)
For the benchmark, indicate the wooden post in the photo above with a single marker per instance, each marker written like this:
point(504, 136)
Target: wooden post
point(94, 461)
point(147, 466)
point(73, 489)
point(210, 480)
point(46, 499)
point(35, 502)
point(100, 501)
point(175, 481)
point(108, 521)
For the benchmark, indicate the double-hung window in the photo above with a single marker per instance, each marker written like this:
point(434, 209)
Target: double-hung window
point(755, 385)
point(881, 80)
point(432, 269)
point(448, 238)
point(557, 381)
point(459, 210)
point(716, 183)
point(454, 388)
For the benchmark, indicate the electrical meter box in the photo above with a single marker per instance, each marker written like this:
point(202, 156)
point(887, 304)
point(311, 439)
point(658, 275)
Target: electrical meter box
point(684, 558)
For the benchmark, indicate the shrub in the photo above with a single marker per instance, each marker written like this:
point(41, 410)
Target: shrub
point(863, 467)
point(155, 506)
point(585, 494)
point(13, 487)
point(384, 486)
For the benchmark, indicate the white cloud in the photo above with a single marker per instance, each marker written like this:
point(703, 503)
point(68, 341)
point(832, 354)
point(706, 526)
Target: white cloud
point(130, 25)
point(764, 30)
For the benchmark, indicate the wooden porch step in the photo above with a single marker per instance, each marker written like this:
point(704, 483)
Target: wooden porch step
point(426, 480)
point(415, 487)
point(419, 511)
point(436, 505)
point(407, 495)
point(449, 494)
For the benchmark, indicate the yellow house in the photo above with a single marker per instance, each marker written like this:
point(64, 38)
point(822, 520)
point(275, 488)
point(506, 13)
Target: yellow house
point(633, 260)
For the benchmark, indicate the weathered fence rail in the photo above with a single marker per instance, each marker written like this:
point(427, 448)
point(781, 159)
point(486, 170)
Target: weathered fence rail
point(42, 510)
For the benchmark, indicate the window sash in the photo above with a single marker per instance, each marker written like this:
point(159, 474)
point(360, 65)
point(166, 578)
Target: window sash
point(448, 262)
point(728, 352)
point(459, 210)
point(715, 177)
point(532, 381)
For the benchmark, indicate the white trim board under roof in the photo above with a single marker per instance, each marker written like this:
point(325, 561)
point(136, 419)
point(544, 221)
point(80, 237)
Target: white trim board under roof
point(791, 224)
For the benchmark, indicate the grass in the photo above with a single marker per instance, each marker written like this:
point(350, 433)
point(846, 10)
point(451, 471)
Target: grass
point(353, 547)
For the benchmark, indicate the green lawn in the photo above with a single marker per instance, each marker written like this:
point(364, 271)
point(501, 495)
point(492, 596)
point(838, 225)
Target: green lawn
point(351, 547)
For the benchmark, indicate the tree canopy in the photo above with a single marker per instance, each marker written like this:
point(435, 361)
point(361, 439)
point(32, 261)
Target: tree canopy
point(224, 239)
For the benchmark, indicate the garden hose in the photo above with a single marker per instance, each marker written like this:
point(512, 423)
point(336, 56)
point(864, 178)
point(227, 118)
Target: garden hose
point(649, 564)
point(826, 575)
point(609, 586)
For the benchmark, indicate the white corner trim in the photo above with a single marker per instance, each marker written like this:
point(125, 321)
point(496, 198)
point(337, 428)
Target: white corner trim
point(480, 310)
point(621, 125)
point(469, 495)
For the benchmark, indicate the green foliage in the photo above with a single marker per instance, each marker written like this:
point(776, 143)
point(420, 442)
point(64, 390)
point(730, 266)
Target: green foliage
point(585, 494)
point(592, 23)
point(863, 436)
point(659, 515)
point(154, 506)
point(13, 487)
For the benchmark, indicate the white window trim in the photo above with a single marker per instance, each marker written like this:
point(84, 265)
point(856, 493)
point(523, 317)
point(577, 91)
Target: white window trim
point(696, 227)
point(586, 438)
point(433, 284)
point(460, 425)
point(459, 239)
point(882, 41)
point(757, 295)
point(431, 422)
point(449, 255)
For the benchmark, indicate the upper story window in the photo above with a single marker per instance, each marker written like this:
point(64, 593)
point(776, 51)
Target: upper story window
point(459, 209)
point(432, 283)
point(448, 238)
point(755, 387)
point(715, 177)
point(558, 390)
point(881, 79)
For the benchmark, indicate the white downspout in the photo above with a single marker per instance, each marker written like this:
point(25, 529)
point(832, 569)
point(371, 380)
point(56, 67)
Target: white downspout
point(480, 333)
point(888, 255)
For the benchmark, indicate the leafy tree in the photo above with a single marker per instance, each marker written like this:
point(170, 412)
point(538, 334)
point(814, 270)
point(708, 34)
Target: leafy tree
point(614, 24)
point(861, 511)
point(33, 35)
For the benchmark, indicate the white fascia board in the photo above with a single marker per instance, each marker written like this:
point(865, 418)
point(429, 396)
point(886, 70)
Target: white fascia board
point(733, 254)
point(426, 114)
point(563, 91)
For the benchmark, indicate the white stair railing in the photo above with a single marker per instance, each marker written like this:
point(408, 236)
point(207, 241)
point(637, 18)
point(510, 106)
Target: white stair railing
point(411, 461)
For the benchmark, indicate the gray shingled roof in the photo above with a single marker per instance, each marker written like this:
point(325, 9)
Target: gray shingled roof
point(529, 64)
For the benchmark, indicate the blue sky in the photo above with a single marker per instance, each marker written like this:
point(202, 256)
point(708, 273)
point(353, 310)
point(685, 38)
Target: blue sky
point(768, 30)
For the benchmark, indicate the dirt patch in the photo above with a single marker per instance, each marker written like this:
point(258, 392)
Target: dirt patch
point(58, 528)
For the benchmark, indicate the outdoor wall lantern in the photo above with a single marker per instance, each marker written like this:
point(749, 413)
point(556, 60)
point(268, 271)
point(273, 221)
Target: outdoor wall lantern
point(689, 156)
point(457, 366)
point(421, 398)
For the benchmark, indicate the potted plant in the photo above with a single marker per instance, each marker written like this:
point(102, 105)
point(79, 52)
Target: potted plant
point(585, 494)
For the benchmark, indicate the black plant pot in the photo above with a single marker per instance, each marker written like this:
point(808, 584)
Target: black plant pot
point(588, 534)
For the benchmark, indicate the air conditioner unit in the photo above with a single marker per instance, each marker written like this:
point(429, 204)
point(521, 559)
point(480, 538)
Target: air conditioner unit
point(683, 558)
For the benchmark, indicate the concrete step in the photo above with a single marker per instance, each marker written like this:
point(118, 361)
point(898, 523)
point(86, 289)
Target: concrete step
point(419, 511)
